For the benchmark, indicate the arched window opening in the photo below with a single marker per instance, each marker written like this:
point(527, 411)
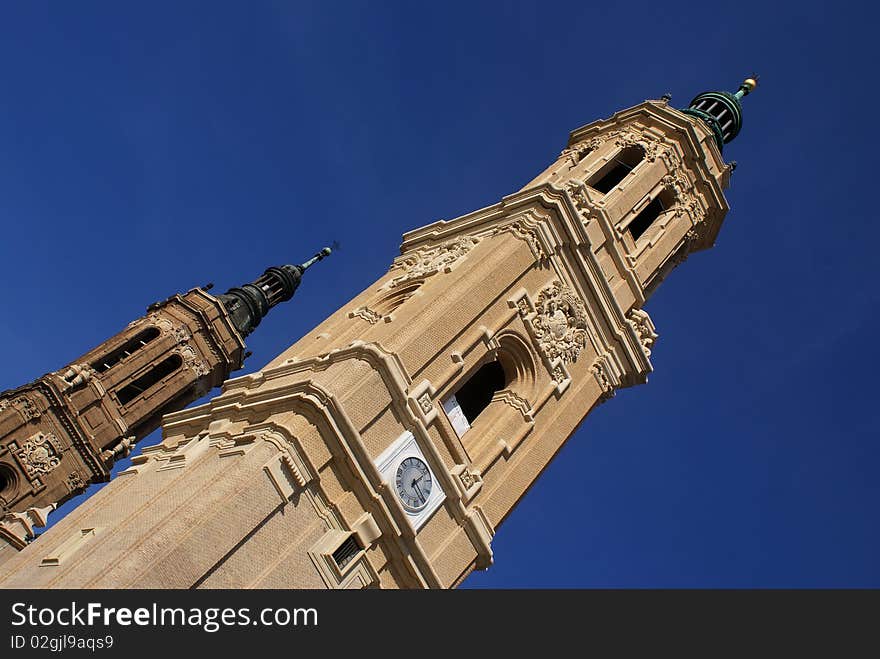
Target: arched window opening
point(475, 395)
point(7, 480)
point(649, 213)
point(137, 342)
point(616, 169)
point(395, 298)
point(149, 379)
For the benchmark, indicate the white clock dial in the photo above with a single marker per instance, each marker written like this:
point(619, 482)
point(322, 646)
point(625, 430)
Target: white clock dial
point(413, 483)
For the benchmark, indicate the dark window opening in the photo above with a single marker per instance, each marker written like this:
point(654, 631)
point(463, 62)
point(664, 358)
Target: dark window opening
point(346, 551)
point(476, 394)
point(133, 389)
point(109, 360)
point(617, 168)
point(648, 214)
point(7, 480)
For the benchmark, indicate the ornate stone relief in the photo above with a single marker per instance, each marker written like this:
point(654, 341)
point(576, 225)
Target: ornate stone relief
point(75, 482)
point(467, 479)
point(599, 370)
point(559, 375)
point(641, 322)
point(560, 325)
point(525, 227)
point(426, 403)
point(27, 408)
point(685, 200)
point(431, 260)
point(192, 360)
point(38, 455)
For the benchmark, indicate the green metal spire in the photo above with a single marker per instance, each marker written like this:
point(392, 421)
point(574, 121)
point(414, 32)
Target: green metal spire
point(722, 111)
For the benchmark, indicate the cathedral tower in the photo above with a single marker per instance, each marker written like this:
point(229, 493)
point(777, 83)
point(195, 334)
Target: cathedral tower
point(386, 446)
point(66, 429)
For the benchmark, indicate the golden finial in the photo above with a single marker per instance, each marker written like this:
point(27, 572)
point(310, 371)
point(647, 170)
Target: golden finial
point(748, 85)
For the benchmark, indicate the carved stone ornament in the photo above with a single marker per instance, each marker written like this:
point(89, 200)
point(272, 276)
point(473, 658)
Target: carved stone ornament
point(526, 228)
point(366, 314)
point(561, 323)
point(604, 381)
point(467, 479)
point(685, 200)
point(27, 408)
point(192, 360)
point(38, 455)
point(426, 403)
point(644, 327)
point(559, 375)
point(575, 190)
point(4, 404)
point(429, 261)
point(75, 482)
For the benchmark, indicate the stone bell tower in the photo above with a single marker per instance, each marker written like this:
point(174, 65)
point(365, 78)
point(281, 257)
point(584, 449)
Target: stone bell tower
point(385, 447)
point(66, 429)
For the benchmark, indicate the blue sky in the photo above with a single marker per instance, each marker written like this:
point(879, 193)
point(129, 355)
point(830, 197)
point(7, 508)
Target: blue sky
point(146, 149)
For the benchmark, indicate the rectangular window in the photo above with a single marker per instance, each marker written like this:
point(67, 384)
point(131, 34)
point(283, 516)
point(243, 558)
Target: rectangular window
point(346, 551)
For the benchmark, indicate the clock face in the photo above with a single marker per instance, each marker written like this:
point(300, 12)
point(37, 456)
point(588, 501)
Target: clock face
point(413, 483)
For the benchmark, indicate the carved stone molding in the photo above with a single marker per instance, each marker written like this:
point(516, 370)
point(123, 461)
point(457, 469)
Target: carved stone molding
point(431, 260)
point(192, 359)
point(526, 228)
point(641, 322)
point(38, 455)
point(685, 200)
point(27, 407)
point(367, 314)
point(517, 402)
point(604, 380)
point(560, 326)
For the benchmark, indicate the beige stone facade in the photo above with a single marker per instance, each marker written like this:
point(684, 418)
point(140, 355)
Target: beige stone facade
point(385, 447)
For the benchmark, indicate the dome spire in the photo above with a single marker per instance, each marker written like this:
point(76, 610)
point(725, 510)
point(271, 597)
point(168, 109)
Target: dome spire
point(722, 111)
point(248, 304)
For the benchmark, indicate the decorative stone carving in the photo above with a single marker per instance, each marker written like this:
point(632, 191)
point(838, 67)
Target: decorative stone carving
point(601, 374)
point(561, 324)
point(467, 479)
point(429, 261)
point(631, 137)
point(426, 403)
point(685, 200)
point(641, 322)
point(181, 334)
point(78, 374)
point(526, 228)
point(75, 482)
point(523, 306)
point(4, 404)
point(27, 408)
point(192, 360)
point(517, 402)
point(559, 375)
point(367, 314)
point(38, 455)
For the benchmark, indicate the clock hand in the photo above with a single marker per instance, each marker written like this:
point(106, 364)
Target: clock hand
point(421, 496)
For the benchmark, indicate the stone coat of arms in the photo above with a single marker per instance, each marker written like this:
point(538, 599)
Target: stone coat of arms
point(561, 323)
